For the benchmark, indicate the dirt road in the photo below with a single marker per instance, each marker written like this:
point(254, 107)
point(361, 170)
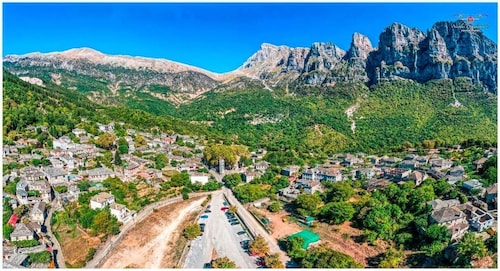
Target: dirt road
point(146, 244)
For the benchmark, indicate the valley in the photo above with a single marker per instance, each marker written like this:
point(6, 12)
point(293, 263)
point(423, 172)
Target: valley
point(375, 156)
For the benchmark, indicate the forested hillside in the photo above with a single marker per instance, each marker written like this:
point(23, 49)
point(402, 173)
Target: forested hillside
point(61, 110)
point(294, 127)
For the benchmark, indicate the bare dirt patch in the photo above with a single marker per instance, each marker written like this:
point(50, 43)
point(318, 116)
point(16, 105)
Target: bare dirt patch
point(339, 237)
point(76, 243)
point(279, 228)
point(342, 238)
point(151, 243)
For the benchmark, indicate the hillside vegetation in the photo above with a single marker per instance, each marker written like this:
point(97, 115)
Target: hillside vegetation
point(306, 125)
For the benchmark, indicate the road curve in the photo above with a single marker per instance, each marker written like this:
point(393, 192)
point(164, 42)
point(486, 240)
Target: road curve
point(110, 244)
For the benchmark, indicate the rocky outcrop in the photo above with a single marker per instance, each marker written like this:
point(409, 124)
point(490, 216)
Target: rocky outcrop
point(447, 50)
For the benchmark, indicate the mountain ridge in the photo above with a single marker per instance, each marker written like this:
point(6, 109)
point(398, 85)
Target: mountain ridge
point(447, 50)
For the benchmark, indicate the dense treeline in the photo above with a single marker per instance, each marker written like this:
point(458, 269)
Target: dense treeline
point(295, 129)
point(61, 110)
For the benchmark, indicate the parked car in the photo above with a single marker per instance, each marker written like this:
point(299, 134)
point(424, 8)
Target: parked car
point(244, 244)
point(225, 203)
point(235, 223)
point(208, 211)
point(204, 216)
point(202, 227)
point(224, 208)
point(241, 232)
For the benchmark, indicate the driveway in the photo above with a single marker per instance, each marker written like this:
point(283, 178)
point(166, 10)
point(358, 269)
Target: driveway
point(219, 239)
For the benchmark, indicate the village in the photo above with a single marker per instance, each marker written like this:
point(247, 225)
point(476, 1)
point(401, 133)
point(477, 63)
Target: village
point(48, 178)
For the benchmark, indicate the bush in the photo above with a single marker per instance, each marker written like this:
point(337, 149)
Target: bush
point(26, 243)
point(274, 207)
point(192, 231)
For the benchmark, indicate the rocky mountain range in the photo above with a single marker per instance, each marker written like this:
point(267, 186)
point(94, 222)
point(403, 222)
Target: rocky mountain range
point(447, 50)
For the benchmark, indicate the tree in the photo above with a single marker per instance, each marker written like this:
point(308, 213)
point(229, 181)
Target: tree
point(140, 141)
point(179, 179)
point(118, 160)
point(492, 243)
point(392, 258)
point(7, 230)
point(40, 257)
point(435, 232)
point(340, 191)
point(274, 207)
point(106, 140)
point(324, 257)
point(293, 247)
point(192, 231)
point(161, 160)
point(21, 210)
point(211, 186)
point(223, 262)
point(442, 187)
point(433, 249)
point(259, 246)
point(233, 209)
point(274, 261)
point(308, 204)
point(337, 212)
point(232, 180)
point(123, 149)
point(470, 248)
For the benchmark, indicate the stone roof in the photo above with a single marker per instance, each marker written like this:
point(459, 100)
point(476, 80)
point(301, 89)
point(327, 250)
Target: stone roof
point(492, 189)
point(54, 172)
point(440, 204)
point(447, 214)
point(39, 207)
point(102, 197)
point(21, 230)
point(100, 171)
point(117, 206)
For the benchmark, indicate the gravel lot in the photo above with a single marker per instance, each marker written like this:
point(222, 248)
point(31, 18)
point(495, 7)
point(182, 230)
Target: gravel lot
point(219, 236)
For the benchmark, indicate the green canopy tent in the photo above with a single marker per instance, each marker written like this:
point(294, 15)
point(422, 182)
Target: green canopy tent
point(308, 236)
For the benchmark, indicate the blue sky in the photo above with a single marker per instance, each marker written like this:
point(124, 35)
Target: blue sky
point(216, 37)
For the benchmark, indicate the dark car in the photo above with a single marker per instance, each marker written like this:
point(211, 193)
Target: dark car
point(208, 206)
point(241, 232)
point(235, 223)
point(229, 215)
point(204, 216)
point(208, 211)
point(244, 244)
point(202, 227)
point(232, 220)
point(207, 265)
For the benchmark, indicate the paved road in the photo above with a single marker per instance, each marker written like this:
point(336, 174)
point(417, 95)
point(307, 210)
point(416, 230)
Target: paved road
point(221, 236)
point(254, 225)
point(59, 257)
point(107, 247)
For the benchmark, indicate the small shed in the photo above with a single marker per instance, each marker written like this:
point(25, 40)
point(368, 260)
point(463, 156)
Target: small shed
point(308, 236)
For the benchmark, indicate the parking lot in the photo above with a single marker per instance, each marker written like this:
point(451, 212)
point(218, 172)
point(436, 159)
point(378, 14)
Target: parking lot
point(222, 236)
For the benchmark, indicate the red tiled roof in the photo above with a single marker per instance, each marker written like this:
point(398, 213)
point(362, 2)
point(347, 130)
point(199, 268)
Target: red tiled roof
point(13, 220)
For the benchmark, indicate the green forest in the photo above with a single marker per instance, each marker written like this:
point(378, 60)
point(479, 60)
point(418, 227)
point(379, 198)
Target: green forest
point(298, 127)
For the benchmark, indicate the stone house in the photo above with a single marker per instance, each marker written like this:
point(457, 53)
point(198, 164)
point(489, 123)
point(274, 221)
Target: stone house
point(101, 200)
point(22, 232)
point(453, 219)
point(38, 213)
